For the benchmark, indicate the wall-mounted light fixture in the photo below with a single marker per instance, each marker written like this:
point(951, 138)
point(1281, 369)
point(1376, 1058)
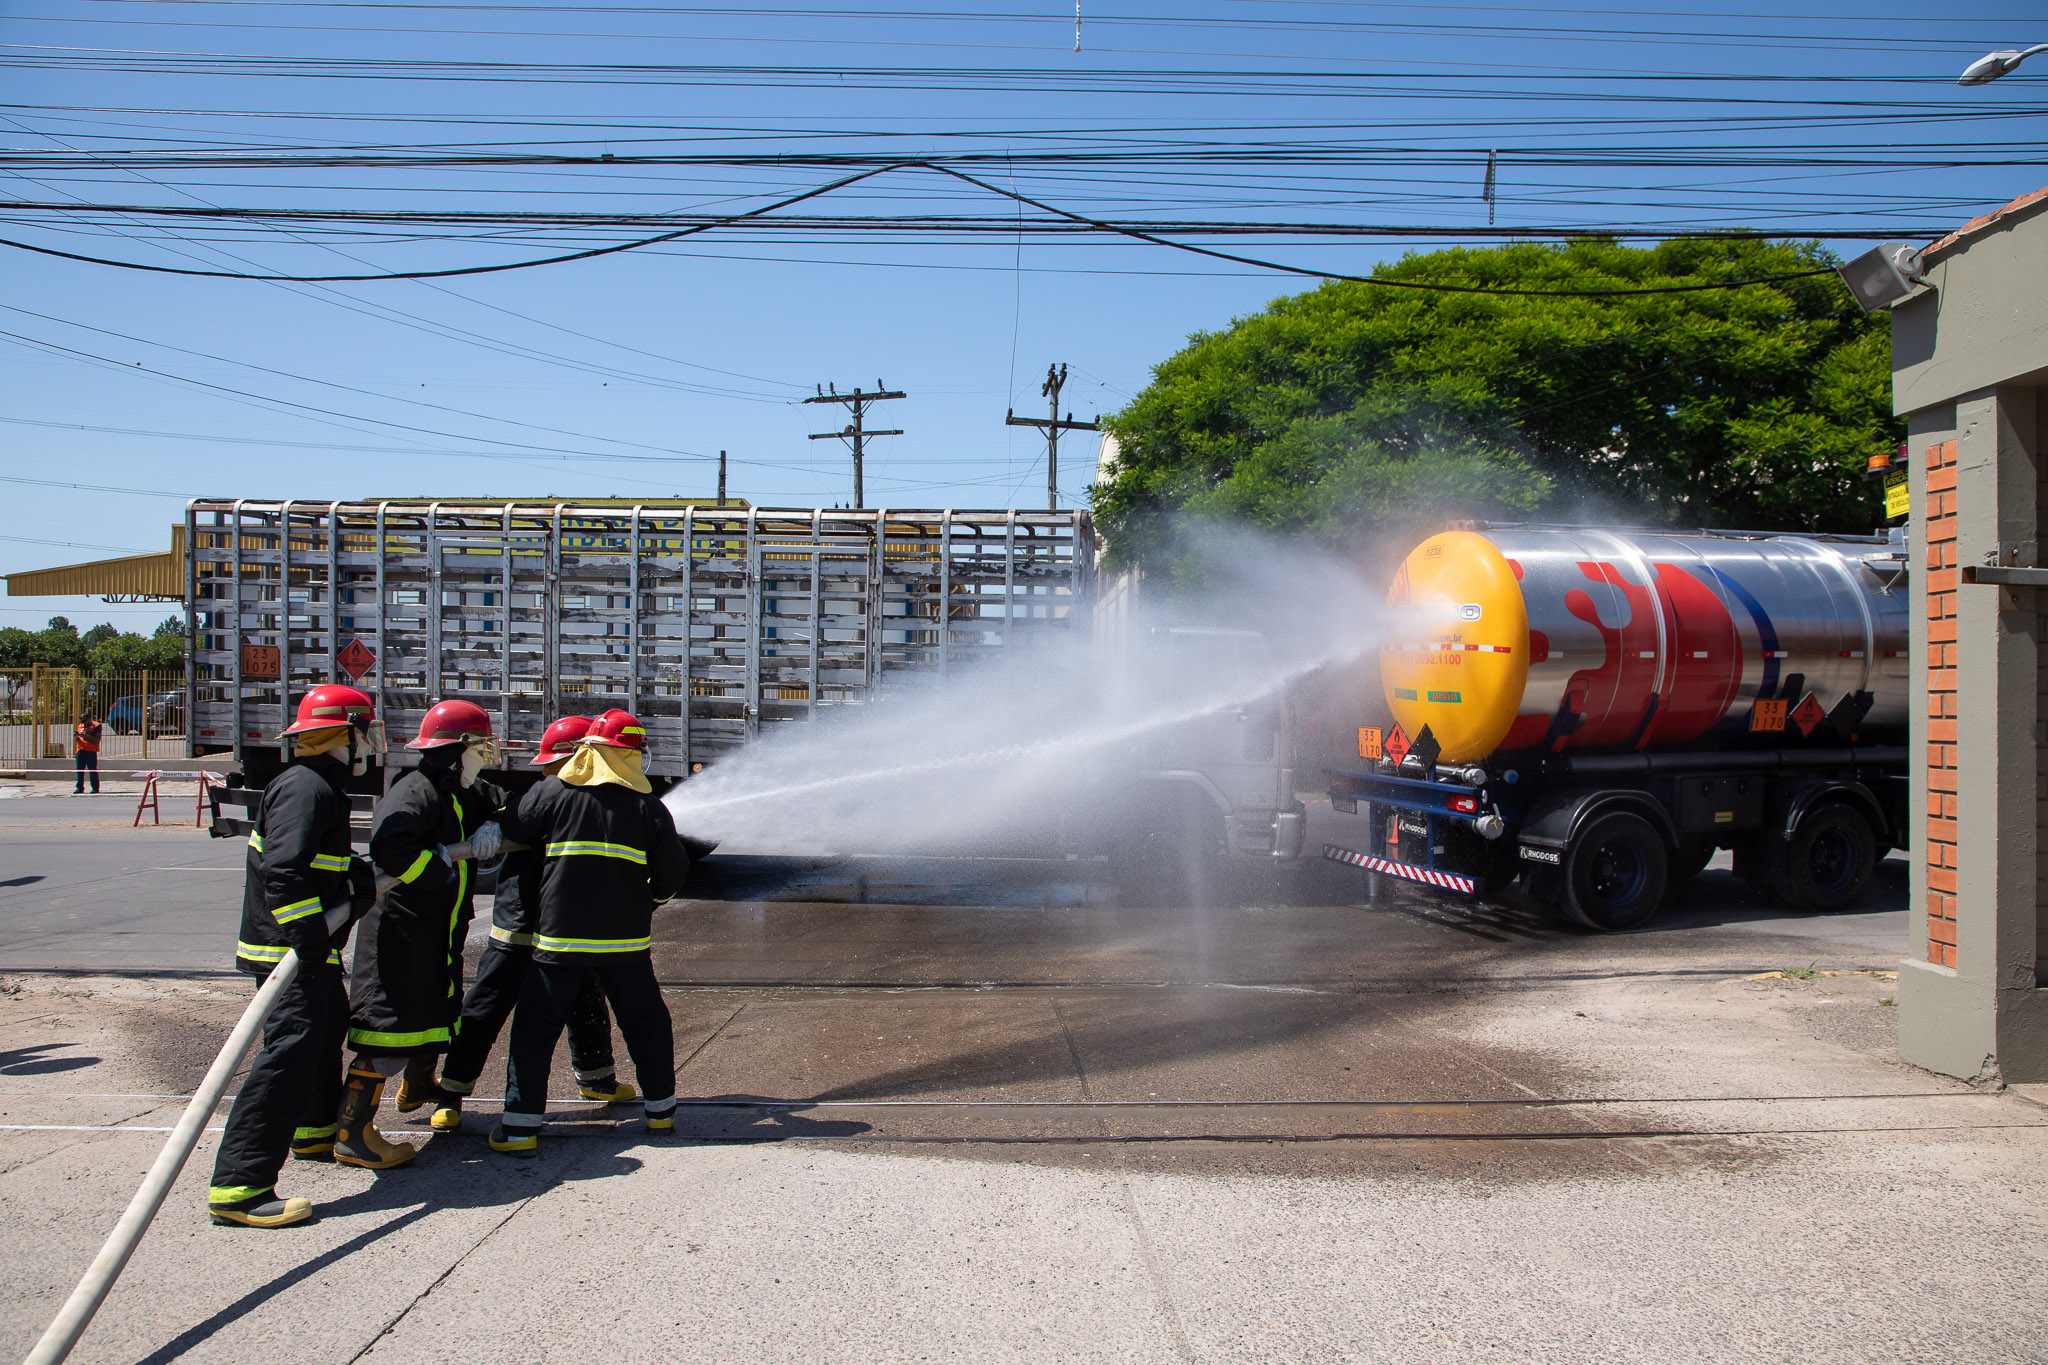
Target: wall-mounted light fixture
point(1883, 275)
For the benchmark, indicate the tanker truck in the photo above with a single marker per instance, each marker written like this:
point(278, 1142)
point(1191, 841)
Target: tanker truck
point(1596, 712)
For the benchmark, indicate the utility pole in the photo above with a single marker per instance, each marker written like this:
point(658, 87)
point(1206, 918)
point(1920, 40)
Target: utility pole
point(855, 432)
point(1055, 380)
point(721, 478)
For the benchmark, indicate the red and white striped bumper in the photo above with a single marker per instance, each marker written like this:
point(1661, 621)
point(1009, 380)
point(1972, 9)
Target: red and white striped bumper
point(1449, 881)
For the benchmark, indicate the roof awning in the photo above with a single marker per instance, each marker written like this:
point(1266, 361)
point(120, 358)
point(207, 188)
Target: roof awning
point(132, 578)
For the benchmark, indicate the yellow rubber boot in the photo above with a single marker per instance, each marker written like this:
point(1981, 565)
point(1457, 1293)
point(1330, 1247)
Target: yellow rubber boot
point(416, 1084)
point(356, 1140)
point(313, 1144)
point(610, 1089)
point(255, 1209)
point(447, 1115)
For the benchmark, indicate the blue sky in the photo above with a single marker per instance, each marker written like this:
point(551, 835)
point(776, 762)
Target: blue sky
point(625, 375)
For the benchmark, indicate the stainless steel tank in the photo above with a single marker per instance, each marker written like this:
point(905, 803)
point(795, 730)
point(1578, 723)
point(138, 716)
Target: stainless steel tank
point(1563, 638)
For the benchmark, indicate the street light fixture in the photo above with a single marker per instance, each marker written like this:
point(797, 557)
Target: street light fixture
point(1992, 65)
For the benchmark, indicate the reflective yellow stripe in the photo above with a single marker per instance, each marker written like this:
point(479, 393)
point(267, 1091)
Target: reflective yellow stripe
point(331, 862)
point(592, 945)
point(419, 865)
point(256, 841)
point(507, 936)
point(236, 1194)
point(315, 1134)
point(256, 952)
point(285, 914)
point(593, 849)
point(365, 1037)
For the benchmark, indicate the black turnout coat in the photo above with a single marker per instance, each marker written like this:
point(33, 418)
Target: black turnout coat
point(406, 989)
point(299, 866)
point(609, 856)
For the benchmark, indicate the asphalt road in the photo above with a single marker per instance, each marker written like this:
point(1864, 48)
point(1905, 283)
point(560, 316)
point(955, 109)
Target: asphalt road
point(82, 890)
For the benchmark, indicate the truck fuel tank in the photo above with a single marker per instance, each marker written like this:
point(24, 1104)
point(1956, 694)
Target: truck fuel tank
point(1556, 639)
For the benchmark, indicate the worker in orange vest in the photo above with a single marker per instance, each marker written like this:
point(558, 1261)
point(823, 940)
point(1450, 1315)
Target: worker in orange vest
point(85, 751)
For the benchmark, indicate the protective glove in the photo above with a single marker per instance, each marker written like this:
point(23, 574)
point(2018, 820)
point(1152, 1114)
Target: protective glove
point(441, 852)
point(487, 841)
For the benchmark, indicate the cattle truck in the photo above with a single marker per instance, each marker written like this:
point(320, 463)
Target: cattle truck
point(710, 623)
point(1597, 712)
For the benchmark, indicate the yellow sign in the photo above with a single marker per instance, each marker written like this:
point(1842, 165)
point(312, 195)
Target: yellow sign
point(1369, 742)
point(1896, 501)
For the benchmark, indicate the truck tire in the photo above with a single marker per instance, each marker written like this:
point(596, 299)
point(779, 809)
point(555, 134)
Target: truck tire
point(1614, 873)
point(1825, 863)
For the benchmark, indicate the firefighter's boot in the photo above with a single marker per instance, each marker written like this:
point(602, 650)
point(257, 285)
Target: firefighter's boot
point(261, 1209)
point(608, 1088)
point(447, 1114)
point(313, 1144)
point(416, 1084)
point(520, 1142)
point(356, 1140)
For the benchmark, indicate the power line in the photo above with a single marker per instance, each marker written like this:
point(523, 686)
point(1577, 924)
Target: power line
point(1096, 224)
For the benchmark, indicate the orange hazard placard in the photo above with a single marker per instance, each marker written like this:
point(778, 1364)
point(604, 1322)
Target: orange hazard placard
point(1396, 745)
point(261, 661)
point(1369, 742)
point(1769, 714)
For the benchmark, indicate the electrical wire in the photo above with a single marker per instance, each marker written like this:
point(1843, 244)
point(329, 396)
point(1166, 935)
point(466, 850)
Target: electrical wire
point(1096, 224)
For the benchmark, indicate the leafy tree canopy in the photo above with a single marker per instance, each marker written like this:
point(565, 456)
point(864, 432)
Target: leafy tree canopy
point(102, 649)
point(1356, 413)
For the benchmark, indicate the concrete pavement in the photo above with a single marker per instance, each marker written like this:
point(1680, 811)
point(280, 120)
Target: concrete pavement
point(1022, 1123)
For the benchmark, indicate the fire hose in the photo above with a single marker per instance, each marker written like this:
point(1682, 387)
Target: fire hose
point(72, 1319)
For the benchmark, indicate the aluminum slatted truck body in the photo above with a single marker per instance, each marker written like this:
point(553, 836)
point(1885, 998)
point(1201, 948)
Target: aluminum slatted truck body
point(1600, 711)
point(707, 622)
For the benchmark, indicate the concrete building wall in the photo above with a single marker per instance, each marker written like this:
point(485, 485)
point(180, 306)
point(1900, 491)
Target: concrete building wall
point(1970, 356)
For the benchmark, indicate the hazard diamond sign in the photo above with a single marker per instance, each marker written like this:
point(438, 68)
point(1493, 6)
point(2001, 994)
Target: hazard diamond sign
point(356, 658)
point(1396, 745)
point(1808, 714)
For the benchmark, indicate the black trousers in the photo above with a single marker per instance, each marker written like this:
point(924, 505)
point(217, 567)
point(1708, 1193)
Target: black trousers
point(294, 1084)
point(87, 761)
point(545, 1001)
point(500, 973)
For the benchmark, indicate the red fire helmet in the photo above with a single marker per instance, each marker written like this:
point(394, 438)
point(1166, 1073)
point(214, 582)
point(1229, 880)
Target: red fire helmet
point(618, 729)
point(451, 722)
point(559, 738)
point(332, 704)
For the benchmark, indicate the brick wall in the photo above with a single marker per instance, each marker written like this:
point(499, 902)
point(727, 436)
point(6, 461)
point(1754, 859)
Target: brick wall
point(1939, 462)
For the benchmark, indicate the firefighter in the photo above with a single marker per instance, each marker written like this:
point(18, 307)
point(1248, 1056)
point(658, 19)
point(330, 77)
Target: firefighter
point(609, 856)
point(503, 968)
point(407, 984)
point(298, 867)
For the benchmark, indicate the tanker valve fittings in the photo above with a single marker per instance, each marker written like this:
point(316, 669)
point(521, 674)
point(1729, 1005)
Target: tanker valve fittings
point(1490, 825)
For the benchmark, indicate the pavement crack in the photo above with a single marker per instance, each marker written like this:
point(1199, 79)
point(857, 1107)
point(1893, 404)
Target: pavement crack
point(1148, 1254)
point(441, 1279)
point(708, 1039)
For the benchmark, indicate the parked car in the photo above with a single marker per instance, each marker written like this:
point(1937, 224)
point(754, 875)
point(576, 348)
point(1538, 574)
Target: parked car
point(125, 716)
point(165, 712)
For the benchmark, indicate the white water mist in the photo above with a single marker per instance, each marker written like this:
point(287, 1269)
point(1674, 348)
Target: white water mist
point(982, 759)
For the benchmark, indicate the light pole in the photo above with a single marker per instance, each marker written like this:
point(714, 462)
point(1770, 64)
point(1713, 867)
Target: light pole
point(1992, 65)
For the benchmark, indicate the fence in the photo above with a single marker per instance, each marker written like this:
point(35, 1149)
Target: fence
point(143, 714)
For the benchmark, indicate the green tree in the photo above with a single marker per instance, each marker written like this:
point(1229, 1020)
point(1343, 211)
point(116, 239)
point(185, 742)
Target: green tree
point(132, 653)
point(99, 635)
point(1355, 412)
point(57, 645)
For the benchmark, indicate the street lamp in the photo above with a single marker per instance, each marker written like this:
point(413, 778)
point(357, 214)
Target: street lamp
point(1992, 65)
